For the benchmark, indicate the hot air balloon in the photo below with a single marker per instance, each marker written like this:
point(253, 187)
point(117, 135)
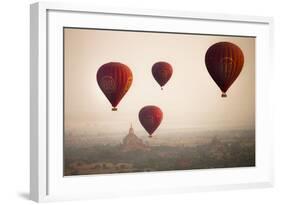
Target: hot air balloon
point(150, 117)
point(114, 79)
point(162, 72)
point(224, 62)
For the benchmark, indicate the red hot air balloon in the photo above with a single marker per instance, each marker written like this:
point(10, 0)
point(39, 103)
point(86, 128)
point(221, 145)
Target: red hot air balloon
point(224, 62)
point(150, 117)
point(162, 72)
point(114, 79)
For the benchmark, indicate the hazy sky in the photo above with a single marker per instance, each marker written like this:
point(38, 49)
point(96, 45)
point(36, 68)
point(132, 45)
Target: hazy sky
point(191, 99)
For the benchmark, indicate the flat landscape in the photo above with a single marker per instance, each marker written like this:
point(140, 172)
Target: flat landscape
point(88, 154)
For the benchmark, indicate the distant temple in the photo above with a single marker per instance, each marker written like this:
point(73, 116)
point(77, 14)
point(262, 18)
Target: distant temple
point(131, 142)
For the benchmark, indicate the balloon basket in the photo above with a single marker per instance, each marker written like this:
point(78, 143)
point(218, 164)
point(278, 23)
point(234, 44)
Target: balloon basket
point(223, 95)
point(150, 136)
point(114, 109)
point(161, 88)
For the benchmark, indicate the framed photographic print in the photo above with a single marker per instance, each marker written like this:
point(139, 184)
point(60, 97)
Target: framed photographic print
point(127, 102)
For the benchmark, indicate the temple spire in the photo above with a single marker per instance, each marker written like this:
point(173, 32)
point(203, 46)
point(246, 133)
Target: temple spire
point(131, 131)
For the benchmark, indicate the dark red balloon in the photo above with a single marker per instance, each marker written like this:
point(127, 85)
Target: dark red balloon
point(150, 117)
point(114, 79)
point(224, 62)
point(162, 72)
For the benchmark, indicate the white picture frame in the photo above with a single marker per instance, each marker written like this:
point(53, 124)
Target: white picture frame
point(46, 178)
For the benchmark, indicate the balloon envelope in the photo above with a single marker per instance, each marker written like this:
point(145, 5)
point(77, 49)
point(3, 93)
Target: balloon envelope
point(114, 79)
point(162, 72)
point(224, 62)
point(150, 117)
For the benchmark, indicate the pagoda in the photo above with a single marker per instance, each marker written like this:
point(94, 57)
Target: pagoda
point(131, 142)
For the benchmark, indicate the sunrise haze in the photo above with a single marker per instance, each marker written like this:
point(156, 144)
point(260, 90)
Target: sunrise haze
point(190, 100)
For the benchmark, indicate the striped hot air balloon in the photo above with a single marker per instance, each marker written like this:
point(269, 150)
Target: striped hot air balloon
point(162, 72)
point(114, 79)
point(224, 62)
point(150, 117)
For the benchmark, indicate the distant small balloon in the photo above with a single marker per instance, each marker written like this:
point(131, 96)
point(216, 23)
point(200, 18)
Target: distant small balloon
point(224, 62)
point(162, 72)
point(114, 79)
point(150, 117)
